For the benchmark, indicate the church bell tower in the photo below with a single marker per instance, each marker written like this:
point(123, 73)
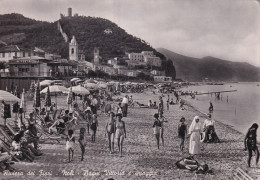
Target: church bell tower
point(73, 49)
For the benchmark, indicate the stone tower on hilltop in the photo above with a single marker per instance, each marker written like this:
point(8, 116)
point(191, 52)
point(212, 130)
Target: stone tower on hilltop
point(69, 12)
point(96, 55)
point(73, 49)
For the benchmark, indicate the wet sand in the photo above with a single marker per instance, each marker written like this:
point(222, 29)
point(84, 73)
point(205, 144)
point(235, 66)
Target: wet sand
point(141, 158)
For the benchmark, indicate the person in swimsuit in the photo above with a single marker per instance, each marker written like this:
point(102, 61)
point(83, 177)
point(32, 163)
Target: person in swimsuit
point(250, 143)
point(82, 141)
point(93, 127)
point(110, 131)
point(182, 131)
point(70, 141)
point(156, 129)
point(120, 132)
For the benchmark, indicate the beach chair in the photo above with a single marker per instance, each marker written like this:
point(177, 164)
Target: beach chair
point(240, 174)
point(11, 129)
point(46, 135)
point(7, 138)
point(6, 147)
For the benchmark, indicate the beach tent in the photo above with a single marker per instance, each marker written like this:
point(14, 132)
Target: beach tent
point(8, 97)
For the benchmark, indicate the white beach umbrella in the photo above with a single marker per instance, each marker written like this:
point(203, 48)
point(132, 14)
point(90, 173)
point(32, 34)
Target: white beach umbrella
point(46, 82)
point(74, 79)
point(55, 89)
point(79, 90)
point(91, 86)
point(102, 85)
point(8, 97)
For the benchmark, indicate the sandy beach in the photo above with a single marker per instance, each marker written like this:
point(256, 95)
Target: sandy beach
point(141, 158)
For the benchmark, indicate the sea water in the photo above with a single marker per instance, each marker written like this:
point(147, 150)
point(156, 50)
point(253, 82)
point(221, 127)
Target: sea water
point(239, 109)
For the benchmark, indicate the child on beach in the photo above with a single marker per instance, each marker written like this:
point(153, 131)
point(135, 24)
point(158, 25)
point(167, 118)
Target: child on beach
point(70, 141)
point(182, 131)
point(82, 141)
point(93, 127)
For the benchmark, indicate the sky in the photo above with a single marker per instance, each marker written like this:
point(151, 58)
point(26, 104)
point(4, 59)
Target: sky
point(226, 29)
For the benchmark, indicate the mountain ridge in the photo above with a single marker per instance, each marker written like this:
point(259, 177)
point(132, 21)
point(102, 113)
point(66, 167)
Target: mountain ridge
point(215, 69)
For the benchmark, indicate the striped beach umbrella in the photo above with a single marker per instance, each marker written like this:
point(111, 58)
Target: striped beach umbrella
point(48, 98)
point(37, 96)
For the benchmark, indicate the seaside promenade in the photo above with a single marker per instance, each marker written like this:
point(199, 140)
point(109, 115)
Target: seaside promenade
point(141, 158)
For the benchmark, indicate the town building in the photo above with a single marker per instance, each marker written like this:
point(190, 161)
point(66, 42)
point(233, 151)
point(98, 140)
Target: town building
point(36, 66)
point(73, 49)
point(108, 31)
point(162, 79)
point(144, 58)
point(158, 73)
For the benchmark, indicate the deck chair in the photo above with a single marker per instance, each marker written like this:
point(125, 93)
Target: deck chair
point(46, 135)
point(7, 138)
point(11, 129)
point(240, 174)
point(6, 147)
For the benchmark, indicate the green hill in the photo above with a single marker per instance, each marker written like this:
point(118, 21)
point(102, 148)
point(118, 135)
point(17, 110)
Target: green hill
point(194, 69)
point(89, 32)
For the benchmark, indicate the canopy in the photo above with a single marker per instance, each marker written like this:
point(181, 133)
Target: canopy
point(55, 89)
point(74, 79)
point(79, 90)
point(91, 86)
point(8, 97)
point(46, 82)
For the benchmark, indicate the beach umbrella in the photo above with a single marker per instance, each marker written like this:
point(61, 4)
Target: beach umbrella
point(23, 103)
point(90, 81)
point(74, 79)
point(48, 98)
point(46, 82)
point(78, 81)
point(91, 86)
point(37, 96)
point(55, 89)
point(8, 97)
point(103, 85)
point(79, 90)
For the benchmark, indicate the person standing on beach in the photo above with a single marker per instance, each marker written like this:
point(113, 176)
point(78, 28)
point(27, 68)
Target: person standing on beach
point(156, 129)
point(93, 127)
point(70, 141)
point(194, 133)
point(82, 142)
point(160, 107)
point(250, 143)
point(110, 131)
point(182, 131)
point(124, 104)
point(162, 121)
point(120, 132)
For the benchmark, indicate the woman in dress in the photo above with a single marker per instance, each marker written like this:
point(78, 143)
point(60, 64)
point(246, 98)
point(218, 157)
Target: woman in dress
point(194, 133)
point(120, 132)
point(110, 131)
point(93, 127)
point(250, 143)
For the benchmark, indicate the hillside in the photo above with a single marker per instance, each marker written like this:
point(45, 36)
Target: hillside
point(89, 32)
point(194, 69)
